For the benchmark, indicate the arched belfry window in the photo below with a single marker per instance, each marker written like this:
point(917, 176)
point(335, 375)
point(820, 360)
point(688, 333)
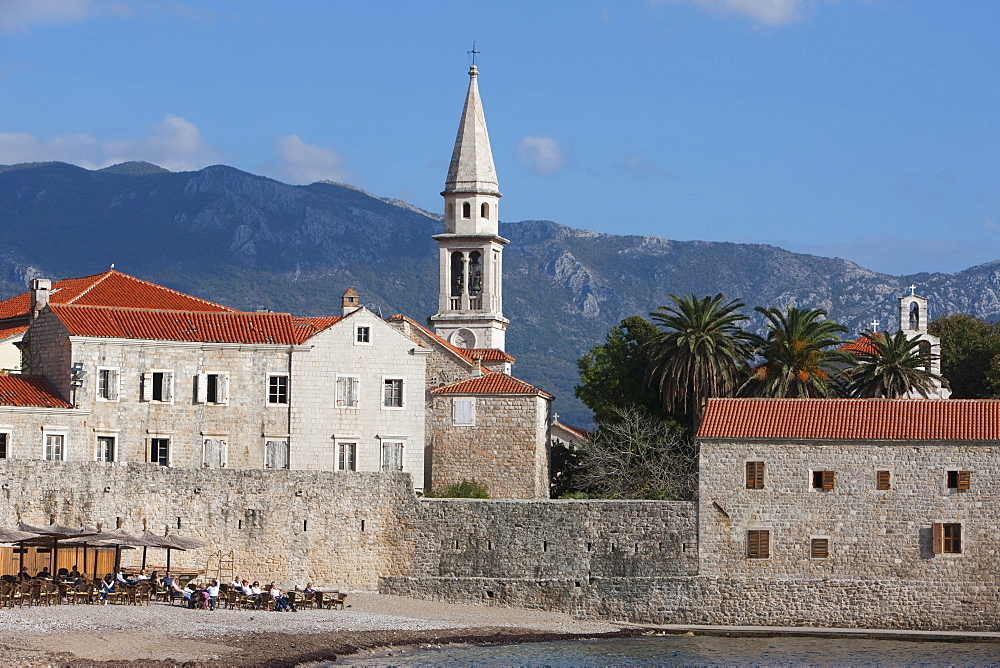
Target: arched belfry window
point(457, 274)
point(475, 273)
point(914, 315)
point(466, 210)
point(484, 211)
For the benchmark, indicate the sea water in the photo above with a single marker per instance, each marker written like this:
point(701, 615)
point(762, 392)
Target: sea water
point(695, 651)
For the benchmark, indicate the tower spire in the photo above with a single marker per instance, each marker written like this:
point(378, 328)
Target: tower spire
point(470, 293)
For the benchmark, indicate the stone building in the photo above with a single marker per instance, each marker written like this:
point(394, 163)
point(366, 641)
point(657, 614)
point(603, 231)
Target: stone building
point(170, 379)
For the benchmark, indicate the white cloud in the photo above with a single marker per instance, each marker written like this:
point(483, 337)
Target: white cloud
point(541, 154)
point(299, 162)
point(18, 15)
point(767, 12)
point(176, 144)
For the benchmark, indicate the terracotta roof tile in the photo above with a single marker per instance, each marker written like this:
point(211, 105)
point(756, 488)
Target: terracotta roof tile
point(219, 327)
point(112, 288)
point(861, 345)
point(305, 328)
point(9, 331)
point(468, 354)
point(29, 391)
point(851, 419)
point(490, 383)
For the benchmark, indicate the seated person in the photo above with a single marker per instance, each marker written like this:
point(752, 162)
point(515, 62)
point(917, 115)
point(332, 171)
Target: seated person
point(120, 577)
point(141, 576)
point(24, 574)
point(213, 593)
point(107, 587)
point(255, 588)
point(62, 573)
point(309, 588)
point(43, 574)
point(75, 573)
point(245, 588)
point(281, 603)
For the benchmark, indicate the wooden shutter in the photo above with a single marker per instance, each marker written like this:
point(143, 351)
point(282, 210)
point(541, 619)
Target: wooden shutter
point(269, 454)
point(820, 548)
point(147, 387)
point(937, 538)
point(222, 389)
point(341, 390)
point(759, 544)
point(755, 475)
point(168, 386)
point(352, 392)
point(828, 478)
point(113, 385)
point(883, 480)
point(201, 388)
point(964, 479)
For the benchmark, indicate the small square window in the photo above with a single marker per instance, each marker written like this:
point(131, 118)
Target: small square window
point(823, 479)
point(347, 456)
point(883, 480)
point(759, 544)
point(819, 548)
point(959, 480)
point(755, 475)
point(54, 444)
point(159, 451)
point(362, 334)
point(277, 389)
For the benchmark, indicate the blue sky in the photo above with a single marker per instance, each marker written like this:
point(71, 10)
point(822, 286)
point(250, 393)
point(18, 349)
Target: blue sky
point(863, 129)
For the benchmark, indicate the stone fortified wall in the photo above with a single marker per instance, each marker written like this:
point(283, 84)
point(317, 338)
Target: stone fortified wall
point(334, 529)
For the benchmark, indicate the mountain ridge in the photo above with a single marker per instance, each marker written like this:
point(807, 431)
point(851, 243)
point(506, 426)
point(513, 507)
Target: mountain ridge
point(253, 242)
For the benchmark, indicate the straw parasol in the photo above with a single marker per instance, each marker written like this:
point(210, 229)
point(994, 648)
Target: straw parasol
point(117, 537)
point(15, 536)
point(170, 543)
point(53, 533)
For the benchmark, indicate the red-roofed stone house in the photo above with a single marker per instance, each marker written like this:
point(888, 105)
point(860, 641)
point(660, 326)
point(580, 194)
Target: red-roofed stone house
point(879, 505)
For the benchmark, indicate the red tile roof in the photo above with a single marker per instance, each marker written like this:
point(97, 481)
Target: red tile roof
point(491, 383)
point(112, 288)
point(306, 328)
point(29, 391)
point(468, 354)
point(178, 325)
point(862, 345)
point(9, 331)
point(851, 419)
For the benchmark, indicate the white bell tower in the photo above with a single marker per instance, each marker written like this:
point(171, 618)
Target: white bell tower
point(914, 318)
point(470, 291)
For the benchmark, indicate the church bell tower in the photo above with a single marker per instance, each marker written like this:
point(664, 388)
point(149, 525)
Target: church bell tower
point(470, 292)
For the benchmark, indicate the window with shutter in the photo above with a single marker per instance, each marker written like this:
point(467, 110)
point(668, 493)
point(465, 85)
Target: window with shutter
point(883, 480)
point(464, 411)
point(823, 479)
point(946, 538)
point(937, 538)
point(759, 544)
point(755, 475)
point(347, 391)
point(828, 477)
point(213, 453)
point(959, 480)
point(392, 456)
point(147, 386)
point(107, 384)
point(201, 388)
point(276, 454)
point(819, 548)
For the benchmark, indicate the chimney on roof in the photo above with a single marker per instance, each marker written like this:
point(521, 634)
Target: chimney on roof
point(351, 302)
point(477, 367)
point(40, 289)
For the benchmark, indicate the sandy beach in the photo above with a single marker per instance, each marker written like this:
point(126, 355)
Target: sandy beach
point(160, 634)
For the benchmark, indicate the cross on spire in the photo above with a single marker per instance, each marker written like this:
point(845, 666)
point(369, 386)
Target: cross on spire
point(473, 53)
point(913, 288)
point(874, 325)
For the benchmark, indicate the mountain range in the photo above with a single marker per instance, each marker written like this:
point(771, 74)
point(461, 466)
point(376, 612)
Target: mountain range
point(254, 243)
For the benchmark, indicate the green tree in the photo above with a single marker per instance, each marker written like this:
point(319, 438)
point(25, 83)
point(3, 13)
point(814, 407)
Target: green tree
point(699, 353)
point(612, 374)
point(895, 366)
point(970, 347)
point(799, 356)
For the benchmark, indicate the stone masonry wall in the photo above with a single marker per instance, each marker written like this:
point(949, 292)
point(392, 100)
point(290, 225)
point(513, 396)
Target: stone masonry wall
point(506, 449)
point(334, 529)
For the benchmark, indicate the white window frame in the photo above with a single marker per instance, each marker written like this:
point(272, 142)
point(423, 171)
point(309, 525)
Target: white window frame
point(267, 390)
point(385, 440)
point(61, 432)
point(106, 433)
point(367, 330)
point(169, 438)
point(223, 448)
point(221, 388)
point(168, 388)
point(288, 451)
point(339, 444)
point(114, 383)
point(402, 393)
point(8, 431)
point(342, 402)
point(455, 419)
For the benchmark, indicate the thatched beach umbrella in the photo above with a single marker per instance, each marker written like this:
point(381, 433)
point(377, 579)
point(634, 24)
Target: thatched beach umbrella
point(15, 536)
point(53, 533)
point(170, 543)
point(116, 538)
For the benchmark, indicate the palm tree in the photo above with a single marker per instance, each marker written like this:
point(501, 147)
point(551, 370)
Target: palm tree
point(799, 356)
point(700, 352)
point(892, 367)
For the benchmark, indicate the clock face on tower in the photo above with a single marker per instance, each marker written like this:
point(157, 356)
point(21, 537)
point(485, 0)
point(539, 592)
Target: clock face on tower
point(463, 338)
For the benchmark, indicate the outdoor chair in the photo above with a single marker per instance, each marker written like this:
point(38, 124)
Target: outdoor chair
point(6, 595)
point(337, 601)
point(232, 599)
point(50, 593)
point(265, 601)
point(24, 594)
point(141, 594)
point(292, 599)
point(161, 593)
point(317, 599)
point(35, 589)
